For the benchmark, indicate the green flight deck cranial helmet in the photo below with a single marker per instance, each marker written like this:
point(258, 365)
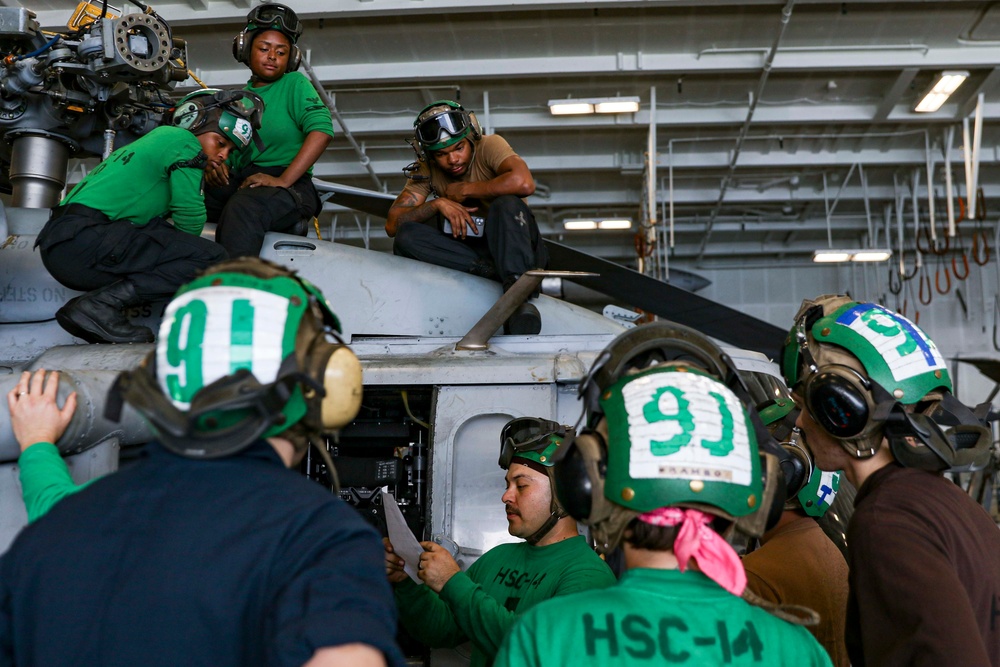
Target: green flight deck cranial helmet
point(846, 360)
point(234, 114)
point(670, 435)
point(246, 350)
point(444, 123)
point(535, 442)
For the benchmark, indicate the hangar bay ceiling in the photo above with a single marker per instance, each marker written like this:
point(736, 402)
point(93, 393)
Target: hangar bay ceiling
point(776, 128)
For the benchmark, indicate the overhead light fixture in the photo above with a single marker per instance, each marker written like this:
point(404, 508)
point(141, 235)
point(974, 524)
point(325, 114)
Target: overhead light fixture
point(617, 105)
point(944, 85)
point(594, 105)
point(860, 255)
point(583, 224)
point(615, 223)
point(873, 255)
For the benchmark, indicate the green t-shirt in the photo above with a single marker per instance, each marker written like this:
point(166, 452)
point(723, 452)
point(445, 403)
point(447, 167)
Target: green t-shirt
point(292, 109)
point(136, 182)
point(657, 617)
point(45, 479)
point(482, 604)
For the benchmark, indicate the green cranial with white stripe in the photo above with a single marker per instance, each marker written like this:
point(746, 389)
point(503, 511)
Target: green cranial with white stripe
point(679, 436)
point(225, 322)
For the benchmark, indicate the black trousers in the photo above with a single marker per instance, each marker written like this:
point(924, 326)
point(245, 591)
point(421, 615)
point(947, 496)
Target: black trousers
point(510, 245)
point(244, 216)
point(84, 250)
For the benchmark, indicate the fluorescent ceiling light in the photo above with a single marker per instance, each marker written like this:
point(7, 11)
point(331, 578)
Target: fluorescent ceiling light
point(580, 224)
point(570, 107)
point(618, 105)
point(859, 255)
point(939, 92)
point(594, 105)
point(831, 256)
point(615, 223)
point(871, 255)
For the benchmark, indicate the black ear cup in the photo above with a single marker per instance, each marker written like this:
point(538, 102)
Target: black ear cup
point(796, 468)
point(573, 475)
point(241, 48)
point(840, 404)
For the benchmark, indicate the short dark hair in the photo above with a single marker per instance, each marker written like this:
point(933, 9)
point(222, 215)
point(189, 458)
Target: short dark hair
point(642, 535)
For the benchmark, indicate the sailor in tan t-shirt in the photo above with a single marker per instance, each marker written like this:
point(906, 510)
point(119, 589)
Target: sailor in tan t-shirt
point(462, 205)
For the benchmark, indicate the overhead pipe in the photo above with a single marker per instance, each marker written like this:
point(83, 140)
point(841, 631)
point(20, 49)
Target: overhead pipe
point(929, 154)
point(651, 180)
point(949, 137)
point(366, 161)
point(786, 16)
point(972, 180)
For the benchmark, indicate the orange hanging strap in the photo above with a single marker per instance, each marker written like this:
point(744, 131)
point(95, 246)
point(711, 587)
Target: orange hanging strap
point(947, 278)
point(926, 291)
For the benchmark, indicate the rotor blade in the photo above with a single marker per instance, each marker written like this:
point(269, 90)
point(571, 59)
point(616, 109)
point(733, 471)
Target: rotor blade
point(359, 199)
point(670, 301)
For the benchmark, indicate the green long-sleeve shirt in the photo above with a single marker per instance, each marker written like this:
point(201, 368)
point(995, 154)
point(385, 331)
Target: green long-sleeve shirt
point(137, 182)
point(482, 604)
point(45, 479)
point(657, 617)
point(292, 109)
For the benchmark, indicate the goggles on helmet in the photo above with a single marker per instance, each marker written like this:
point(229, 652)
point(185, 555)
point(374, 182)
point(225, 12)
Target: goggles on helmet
point(277, 17)
point(437, 129)
point(528, 435)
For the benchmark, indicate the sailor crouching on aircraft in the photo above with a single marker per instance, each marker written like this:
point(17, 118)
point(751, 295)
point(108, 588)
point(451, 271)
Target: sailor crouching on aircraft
point(924, 572)
point(209, 550)
point(671, 466)
point(481, 605)
point(476, 221)
point(110, 238)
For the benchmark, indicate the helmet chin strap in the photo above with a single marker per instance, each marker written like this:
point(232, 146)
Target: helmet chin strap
point(555, 514)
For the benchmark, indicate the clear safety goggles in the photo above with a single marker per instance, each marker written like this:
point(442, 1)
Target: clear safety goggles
point(526, 434)
point(451, 123)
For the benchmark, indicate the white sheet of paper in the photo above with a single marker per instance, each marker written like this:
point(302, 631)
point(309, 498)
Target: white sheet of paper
point(404, 543)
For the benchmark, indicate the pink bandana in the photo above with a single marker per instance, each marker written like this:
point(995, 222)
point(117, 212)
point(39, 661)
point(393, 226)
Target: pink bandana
point(696, 539)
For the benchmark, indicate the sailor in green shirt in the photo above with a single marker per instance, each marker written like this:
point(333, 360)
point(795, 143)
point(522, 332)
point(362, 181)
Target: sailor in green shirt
point(670, 466)
point(110, 237)
point(480, 605)
point(269, 188)
point(38, 422)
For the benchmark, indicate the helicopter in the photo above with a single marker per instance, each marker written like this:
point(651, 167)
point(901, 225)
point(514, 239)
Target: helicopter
point(439, 379)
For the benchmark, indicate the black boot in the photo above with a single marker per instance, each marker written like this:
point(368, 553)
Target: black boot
point(99, 317)
point(526, 320)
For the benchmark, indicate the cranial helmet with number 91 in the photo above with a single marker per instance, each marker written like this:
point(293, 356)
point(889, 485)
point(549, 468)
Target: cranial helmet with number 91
point(670, 436)
point(246, 350)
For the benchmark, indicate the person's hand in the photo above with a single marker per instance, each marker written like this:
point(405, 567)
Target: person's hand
point(393, 564)
point(455, 191)
point(459, 216)
point(34, 414)
point(436, 566)
point(217, 175)
point(261, 180)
